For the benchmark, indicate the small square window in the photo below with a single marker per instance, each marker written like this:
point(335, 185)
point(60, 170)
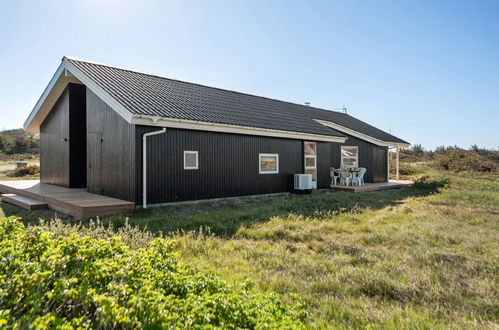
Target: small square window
point(268, 163)
point(310, 148)
point(191, 161)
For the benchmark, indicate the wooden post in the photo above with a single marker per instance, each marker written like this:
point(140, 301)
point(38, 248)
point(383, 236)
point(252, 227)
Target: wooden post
point(397, 166)
point(388, 165)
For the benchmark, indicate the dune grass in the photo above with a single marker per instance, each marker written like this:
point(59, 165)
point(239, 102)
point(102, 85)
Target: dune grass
point(419, 257)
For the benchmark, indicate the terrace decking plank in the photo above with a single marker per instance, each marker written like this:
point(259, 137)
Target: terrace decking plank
point(24, 202)
point(374, 186)
point(76, 202)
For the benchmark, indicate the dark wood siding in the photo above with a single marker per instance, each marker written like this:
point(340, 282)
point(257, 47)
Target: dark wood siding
point(324, 161)
point(62, 140)
point(54, 143)
point(228, 165)
point(77, 136)
point(375, 164)
point(110, 151)
point(380, 158)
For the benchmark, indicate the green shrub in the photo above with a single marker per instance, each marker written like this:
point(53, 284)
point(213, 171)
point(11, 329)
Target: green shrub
point(26, 170)
point(51, 281)
point(459, 160)
point(19, 141)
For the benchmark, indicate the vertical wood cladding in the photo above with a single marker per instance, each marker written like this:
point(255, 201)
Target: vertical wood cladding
point(54, 143)
point(380, 158)
point(228, 165)
point(110, 151)
point(62, 140)
point(372, 160)
point(77, 136)
point(324, 161)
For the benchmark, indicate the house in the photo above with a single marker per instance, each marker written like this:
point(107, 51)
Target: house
point(148, 139)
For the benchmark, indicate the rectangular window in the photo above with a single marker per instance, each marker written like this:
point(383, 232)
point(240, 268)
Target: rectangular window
point(268, 163)
point(350, 156)
point(310, 148)
point(191, 161)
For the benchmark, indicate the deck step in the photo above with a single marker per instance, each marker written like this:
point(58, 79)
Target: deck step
point(24, 202)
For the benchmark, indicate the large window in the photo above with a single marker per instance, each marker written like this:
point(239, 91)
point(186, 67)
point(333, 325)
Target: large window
point(191, 161)
point(350, 156)
point(268, 163)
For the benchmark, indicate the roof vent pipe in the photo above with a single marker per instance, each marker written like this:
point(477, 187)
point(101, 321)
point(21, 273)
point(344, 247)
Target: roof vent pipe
point(340, 109)
point(144, 164)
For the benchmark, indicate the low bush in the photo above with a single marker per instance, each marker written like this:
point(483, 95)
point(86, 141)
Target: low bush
point(28, 170)
point(459, 160)
point(57, 281)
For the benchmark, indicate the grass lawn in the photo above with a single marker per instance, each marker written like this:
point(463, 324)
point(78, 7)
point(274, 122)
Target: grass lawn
point(12, 159)
point(419, 257)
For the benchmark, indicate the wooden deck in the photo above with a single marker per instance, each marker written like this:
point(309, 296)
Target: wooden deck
point(375, 186)
point(76, 202)
point(24, 202)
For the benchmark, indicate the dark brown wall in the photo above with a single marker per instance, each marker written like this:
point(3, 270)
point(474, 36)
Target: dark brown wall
point(228, 165)
point(62, 140)
point(324, 161)
point(54, 143)
point(376, 166)
point(77, 136)
point(380, 168)
point(110, 151)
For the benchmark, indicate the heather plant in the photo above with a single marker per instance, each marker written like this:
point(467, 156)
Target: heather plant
point(25, 171)
point(75, 281)
point(459, 160)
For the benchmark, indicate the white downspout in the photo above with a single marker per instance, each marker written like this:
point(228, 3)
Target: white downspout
point(144, 164)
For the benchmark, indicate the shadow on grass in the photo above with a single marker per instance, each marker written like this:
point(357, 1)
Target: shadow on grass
point(225, 217)
point(31, 217)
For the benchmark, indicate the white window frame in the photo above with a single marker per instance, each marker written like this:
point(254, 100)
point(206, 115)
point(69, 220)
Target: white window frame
point(191, 152)
point(356, 158)
point(260, 164)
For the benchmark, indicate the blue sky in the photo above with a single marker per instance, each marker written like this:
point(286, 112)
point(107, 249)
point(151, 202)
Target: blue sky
point(428, 71)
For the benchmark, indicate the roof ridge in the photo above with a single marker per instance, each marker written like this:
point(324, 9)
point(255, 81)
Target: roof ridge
point(198, 84)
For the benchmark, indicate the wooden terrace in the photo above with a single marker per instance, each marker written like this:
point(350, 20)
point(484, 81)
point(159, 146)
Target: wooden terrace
point(392, 184)
point(77, 202)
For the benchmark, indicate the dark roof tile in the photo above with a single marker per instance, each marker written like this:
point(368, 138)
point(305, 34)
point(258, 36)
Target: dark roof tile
point(144, 94)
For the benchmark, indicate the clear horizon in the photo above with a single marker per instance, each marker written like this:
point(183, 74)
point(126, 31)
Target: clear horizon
point(426, 72)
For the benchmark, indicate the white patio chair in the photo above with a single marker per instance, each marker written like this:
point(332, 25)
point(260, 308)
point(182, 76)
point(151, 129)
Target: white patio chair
point(359, 178)
point(345, 178)
point(355, 179)
point(335, 176)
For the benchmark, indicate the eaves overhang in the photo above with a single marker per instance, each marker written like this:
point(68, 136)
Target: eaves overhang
point(362, 136)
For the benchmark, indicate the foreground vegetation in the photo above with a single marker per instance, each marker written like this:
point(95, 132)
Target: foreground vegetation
point(424, 256)
point(49, 281)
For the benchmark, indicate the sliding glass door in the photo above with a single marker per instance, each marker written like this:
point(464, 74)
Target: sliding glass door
point(310, 154)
